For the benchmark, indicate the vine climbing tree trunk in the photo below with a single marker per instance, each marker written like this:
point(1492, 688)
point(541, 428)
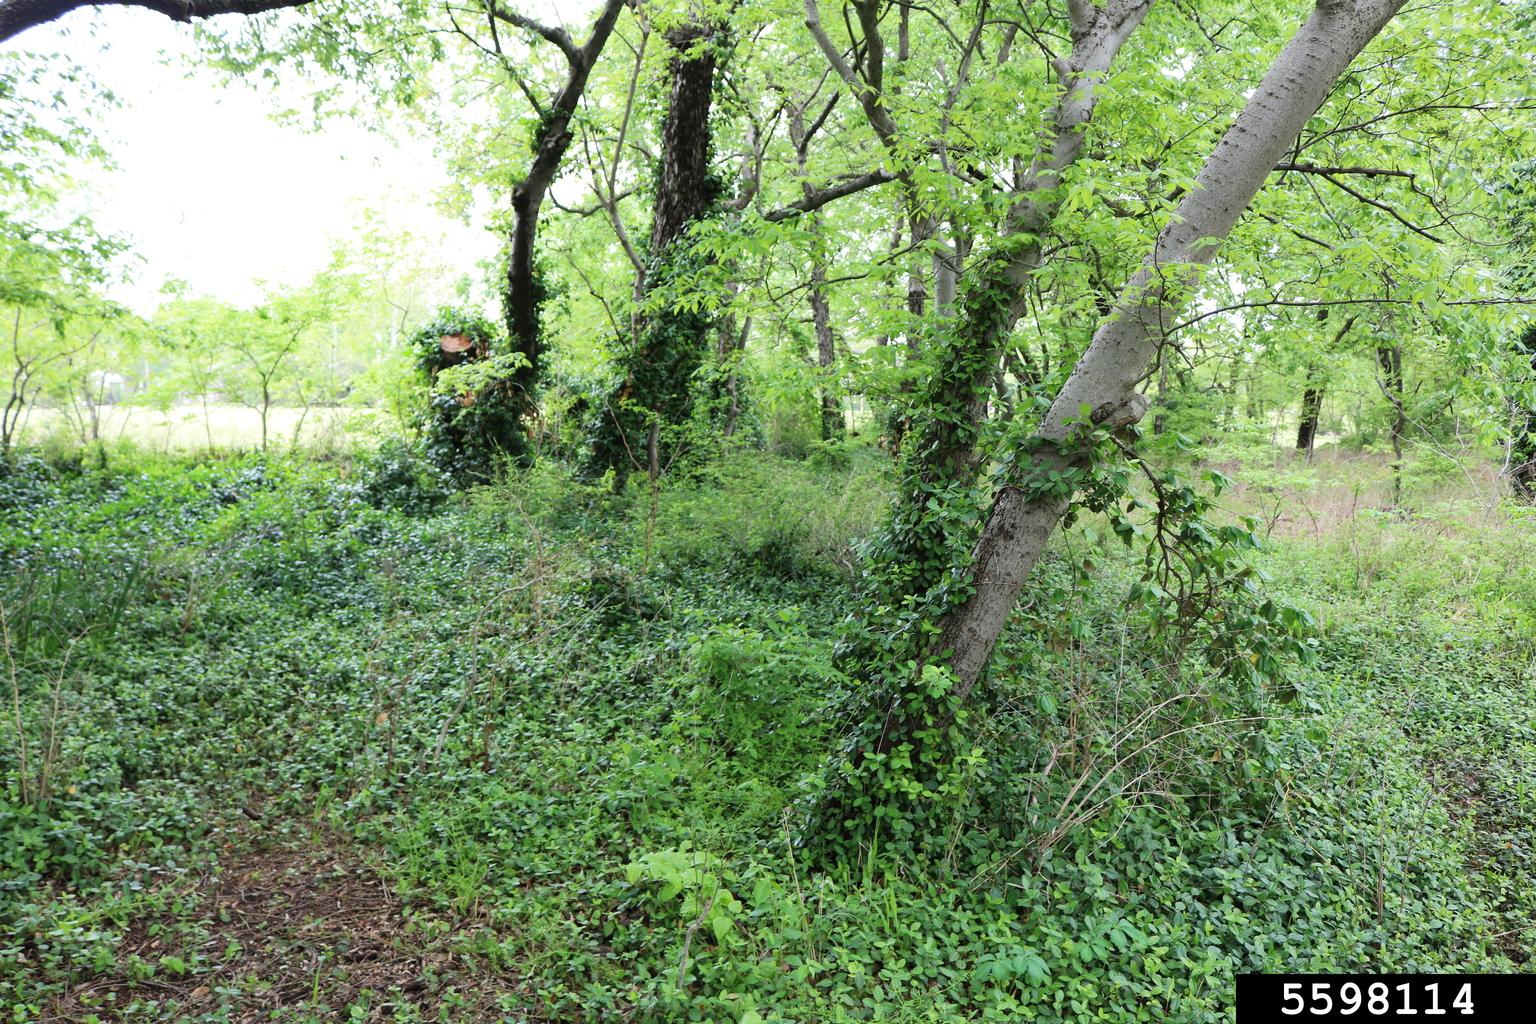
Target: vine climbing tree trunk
point(1390, 359)
point(1106, 378)
point(1311, 410)
point(669, 344)
point(524, 297)
point(1522, 468)
point(939, 457)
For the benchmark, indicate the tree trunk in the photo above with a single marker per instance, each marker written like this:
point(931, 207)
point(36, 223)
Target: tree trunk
point(1160, 421)
point(821, 310)
point(826, 354)
point(1311, 409)
point(733, 342)
point(1105, 378)
point(1522, 468)
point(1390, 359)
point(670, 345)
point(266, 405)
point(524, 298)
point(918, 553)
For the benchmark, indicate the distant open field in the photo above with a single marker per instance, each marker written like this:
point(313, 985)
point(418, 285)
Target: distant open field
point(186, 428)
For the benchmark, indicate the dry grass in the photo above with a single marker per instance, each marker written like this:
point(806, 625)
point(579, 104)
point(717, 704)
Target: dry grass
point(1316, 497)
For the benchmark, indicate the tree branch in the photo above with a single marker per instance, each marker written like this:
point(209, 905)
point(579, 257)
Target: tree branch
point(559, 36)
point(16, 16)
point(816, 200)
point(1370, 172)
point(1386, 208)
point(1513, 300)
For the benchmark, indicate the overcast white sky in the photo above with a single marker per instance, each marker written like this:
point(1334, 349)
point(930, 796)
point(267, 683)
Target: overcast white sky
point(212, 190)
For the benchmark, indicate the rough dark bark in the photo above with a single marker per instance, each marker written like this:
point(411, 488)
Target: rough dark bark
point(525, 293)
point(669, 346)
point(684, 189)
point(16, 16)
point(1105, 379)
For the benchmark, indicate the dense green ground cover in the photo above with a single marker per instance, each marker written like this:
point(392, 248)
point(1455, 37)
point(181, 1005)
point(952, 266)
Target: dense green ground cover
point(575, 733)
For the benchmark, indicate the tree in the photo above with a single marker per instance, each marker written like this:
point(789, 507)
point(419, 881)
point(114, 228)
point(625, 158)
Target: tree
point(1102, 393)
point(194, 333)
point(265, 347)
point(525, 289)
point(671, 335)
point(53, 266)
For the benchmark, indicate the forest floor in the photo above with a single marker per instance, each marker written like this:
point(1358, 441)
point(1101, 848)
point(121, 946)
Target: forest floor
point(315, 741)
point(283, 927)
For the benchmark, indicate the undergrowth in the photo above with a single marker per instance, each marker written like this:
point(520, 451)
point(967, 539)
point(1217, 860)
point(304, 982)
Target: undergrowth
point(576, 730)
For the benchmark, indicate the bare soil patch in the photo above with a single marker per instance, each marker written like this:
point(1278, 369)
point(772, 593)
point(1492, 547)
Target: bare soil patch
point(287, 930)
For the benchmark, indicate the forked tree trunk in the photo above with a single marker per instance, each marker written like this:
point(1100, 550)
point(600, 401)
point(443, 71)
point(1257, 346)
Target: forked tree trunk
point(524, 298)
point(940, 457)
point(1106, 377)
point(994, 294)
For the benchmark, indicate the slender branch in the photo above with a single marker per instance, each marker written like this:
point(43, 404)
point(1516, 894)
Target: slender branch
point(816, 200)
point(1514, 300)
point(1385, 207)
point(1369, 172)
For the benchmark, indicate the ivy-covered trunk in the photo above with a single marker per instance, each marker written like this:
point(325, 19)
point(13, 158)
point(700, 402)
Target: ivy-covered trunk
point(938, 506)
point(525, 290)
point(670, 344)
point(937, 653)
point(1311, 410)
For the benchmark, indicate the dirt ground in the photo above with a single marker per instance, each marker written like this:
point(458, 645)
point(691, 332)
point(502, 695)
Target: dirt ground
point(288, 930)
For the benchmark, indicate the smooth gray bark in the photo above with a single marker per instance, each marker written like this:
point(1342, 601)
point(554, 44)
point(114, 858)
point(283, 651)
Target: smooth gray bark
point(1106, 378)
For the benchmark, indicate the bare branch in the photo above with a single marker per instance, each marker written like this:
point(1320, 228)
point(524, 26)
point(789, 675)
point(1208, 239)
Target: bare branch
point(559, 36)
point(16, 16)
point(1369, 172)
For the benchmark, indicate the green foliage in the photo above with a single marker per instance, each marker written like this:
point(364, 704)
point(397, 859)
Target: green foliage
point(589, 751)
point(473, 417)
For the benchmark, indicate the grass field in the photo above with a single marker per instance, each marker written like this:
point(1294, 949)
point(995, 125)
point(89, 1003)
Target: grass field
point(222, 426)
